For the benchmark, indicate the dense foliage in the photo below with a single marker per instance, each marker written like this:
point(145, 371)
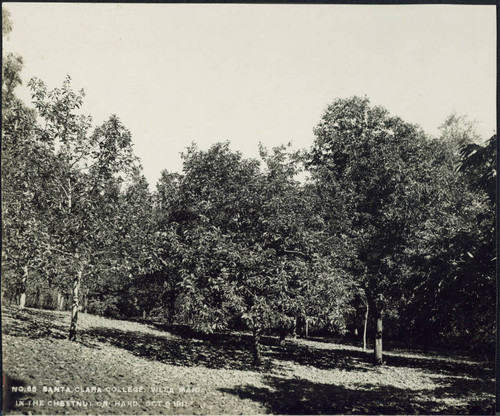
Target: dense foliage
point(390, 222)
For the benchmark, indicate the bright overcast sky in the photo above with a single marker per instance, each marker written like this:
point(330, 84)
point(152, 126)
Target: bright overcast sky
point(177, 73)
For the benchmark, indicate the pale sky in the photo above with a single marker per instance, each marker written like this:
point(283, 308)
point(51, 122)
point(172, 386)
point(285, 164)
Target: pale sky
point(178, 73)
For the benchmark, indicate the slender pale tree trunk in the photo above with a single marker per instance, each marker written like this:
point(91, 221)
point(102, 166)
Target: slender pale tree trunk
point(365, 327)
point(76, 280)
point(307, 327)
point(24, 280)
point(60, 301)
point(295, 327)
point(378, 339)
point(74, 307)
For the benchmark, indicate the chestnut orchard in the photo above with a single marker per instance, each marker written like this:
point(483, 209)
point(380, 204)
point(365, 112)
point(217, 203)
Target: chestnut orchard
point(391, 227)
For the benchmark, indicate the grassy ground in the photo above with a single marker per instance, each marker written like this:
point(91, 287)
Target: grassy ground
point(168, 372)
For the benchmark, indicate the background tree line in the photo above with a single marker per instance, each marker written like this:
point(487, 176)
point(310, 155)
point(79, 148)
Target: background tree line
point(392, 233)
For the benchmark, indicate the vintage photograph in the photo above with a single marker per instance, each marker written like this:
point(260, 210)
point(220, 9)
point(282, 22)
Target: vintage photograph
point(221, 209)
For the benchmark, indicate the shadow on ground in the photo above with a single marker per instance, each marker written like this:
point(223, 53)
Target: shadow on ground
point(300, 396)
point(36, 323)
point(455, 379)
point(33, 323)
point(13, 390)
point(181, 346)
point(452, 367)
point(349, 359)
point(221, 351)
point(184, 347)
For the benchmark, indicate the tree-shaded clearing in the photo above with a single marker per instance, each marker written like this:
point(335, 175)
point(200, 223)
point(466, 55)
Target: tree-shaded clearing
point(303, 377)
point(301, 396)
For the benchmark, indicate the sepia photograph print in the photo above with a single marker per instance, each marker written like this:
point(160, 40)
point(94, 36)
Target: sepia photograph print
point(221, 209)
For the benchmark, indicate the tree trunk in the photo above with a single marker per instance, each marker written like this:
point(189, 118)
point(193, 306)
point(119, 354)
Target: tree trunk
point(84, 301)
point(295, 327)
point(365, 327)
point(307, 327)
point(22, 300)
point(74, 307)
point(171, 307)
point(281, 339)
point(378, 340)
point(257, 356)
point(22, 296)
point(282, 332)
point(60, 301)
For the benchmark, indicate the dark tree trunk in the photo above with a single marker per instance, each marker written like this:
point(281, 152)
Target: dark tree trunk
point(257, 354)
point(282, 335)
point(378, 339)
point(281, 340)
point(74, 307)
point(171, 307)
point(84, 302)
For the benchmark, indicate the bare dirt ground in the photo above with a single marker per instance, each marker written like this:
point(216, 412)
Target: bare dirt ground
point(121, 367)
